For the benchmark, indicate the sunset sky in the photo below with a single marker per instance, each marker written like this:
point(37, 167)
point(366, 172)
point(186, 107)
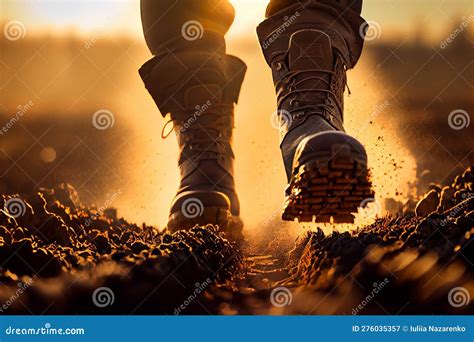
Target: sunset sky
point(123, 16)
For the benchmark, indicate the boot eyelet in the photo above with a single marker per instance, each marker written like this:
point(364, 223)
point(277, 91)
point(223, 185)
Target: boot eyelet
point(278, 66)
point(294, 103)
point(297, 116)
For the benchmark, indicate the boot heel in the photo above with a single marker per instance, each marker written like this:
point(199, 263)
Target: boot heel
point(329, 188)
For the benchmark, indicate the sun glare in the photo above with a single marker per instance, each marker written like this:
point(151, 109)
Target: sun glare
point(123, 16)
point(81, 16)
point(110, 16)
point(249, 13)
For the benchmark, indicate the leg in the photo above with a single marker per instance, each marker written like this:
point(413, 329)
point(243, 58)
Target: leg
point(164, 21)
point(277, 5)
point(193, 79)
point(309, 45)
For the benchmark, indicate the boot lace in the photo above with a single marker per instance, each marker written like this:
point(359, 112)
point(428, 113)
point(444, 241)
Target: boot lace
point(325, 99)
point(203, 133)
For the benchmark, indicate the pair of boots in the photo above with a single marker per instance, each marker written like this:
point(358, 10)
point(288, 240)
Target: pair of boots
point(309, 45)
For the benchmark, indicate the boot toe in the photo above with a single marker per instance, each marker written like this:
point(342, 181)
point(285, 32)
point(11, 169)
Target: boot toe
point(330, 145)
point(192, 203)
point(193, 208)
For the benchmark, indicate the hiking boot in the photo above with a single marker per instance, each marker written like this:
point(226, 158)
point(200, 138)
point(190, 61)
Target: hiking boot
point(309, 48)
point(199, 87)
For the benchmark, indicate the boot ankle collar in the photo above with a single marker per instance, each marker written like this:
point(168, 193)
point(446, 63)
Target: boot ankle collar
point(169, 80)
point(324, 15)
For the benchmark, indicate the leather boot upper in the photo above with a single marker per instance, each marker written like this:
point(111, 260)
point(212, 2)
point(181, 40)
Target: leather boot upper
point(199, 88)
point(309, 47)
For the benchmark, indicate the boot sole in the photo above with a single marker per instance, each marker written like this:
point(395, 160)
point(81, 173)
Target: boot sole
point(329, 189)
point(231, 225)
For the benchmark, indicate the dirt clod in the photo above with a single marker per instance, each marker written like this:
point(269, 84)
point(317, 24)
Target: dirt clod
point(60, 253)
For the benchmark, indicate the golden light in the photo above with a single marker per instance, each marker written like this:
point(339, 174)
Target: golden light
point(110, 16)
point(249, 13)
point(123, 16)
point(82, 16)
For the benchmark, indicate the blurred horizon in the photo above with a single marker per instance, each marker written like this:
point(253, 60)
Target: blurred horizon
point(122, 17)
